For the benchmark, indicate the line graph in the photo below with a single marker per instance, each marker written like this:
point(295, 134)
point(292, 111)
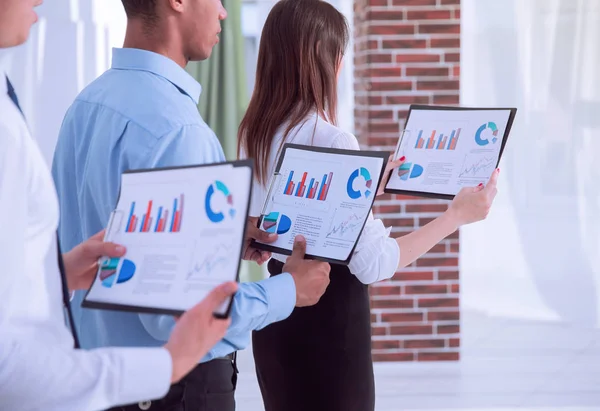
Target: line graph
point(477, 166)
point(212, 260)
point(348, 224)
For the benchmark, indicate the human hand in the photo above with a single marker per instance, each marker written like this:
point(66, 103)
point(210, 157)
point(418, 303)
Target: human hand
point(254, 233)
point(473, 204)
point(391, 165)
point(81, 263)
point(311, 277)
point(197, 331)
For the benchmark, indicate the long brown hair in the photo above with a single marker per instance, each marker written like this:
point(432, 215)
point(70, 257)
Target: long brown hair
point(301, 48)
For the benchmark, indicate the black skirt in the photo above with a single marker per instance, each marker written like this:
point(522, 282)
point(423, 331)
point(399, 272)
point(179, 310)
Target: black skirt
point(319, 359)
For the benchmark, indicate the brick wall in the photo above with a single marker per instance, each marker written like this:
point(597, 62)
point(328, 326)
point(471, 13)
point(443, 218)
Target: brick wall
point(408, 51)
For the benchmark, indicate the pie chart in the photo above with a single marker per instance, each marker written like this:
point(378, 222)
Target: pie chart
point(355, 194)
point(111, 274)
point(409, 170)
point(277, 223)
point(481, 140)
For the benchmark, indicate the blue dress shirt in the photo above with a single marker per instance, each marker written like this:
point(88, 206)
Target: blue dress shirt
point(142, 113)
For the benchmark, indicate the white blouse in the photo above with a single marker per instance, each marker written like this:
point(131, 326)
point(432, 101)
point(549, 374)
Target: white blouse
point(376, 256)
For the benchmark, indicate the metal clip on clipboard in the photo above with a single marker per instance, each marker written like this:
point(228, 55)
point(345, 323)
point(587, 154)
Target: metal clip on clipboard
point(266, 210)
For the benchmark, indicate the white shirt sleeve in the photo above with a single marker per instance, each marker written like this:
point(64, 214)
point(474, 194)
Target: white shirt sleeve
point(37, 376)
point(41, 370)
point(376, 256)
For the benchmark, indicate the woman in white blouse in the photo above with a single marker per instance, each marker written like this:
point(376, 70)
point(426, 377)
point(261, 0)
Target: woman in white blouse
point(320, 357)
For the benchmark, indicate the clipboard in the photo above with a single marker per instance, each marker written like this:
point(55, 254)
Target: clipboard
point(315, 195)
point(118, 218)
point(439, 144)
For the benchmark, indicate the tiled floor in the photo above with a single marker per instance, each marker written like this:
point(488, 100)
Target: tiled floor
point(506, 365)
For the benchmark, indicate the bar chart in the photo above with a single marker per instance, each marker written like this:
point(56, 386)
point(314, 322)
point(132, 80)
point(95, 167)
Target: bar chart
point(441, 142)
point(161, 221)
point(315, 190)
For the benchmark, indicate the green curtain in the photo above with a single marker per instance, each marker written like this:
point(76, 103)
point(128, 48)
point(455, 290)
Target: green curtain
point(224, 97)
point(224, 93)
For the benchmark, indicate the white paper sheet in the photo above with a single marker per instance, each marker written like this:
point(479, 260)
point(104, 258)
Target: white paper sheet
point(447, 150)
point(324, 196)
point(183, 229)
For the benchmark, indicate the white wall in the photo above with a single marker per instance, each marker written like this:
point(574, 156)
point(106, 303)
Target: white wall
point(538, 255)
point(67, 49)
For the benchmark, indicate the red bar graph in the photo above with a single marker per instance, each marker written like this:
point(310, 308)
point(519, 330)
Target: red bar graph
point(431, 141)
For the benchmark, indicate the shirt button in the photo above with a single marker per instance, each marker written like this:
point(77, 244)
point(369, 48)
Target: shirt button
point(145, 405)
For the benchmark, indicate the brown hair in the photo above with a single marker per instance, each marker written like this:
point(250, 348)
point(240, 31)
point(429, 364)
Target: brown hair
point(300, 52)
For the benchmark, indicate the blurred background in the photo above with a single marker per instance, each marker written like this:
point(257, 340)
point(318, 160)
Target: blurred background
point(505, 315)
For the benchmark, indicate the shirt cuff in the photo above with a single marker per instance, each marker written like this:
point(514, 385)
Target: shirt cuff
point(147, 374)
point(281, 296)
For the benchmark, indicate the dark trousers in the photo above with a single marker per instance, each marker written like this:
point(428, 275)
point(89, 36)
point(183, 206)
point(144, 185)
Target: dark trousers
point(209, 387)
point(319, 358)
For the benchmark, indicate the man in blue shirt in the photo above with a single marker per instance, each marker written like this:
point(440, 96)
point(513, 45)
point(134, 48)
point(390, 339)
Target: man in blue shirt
point(142, 113)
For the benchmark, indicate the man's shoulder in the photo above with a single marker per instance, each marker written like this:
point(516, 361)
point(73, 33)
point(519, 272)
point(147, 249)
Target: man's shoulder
point(144, 99)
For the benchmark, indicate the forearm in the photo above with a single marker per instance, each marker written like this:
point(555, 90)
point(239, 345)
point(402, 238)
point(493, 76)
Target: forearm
point(414, 245)
point(39, 375)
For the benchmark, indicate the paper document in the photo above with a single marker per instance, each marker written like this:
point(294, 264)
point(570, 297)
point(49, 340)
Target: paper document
point(325, 195)
point(184, 231)
point(448, 148)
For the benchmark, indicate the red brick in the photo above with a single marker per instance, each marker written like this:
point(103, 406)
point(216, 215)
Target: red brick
point(418, 58)
point(386, 15)
point(437, 262)
point(412, 344)
point(380, 58)
point(409, 3)
point(432, 14)
point(387, 208)
point(392, 29)
point(457, 13)
point(373, 318)
point(438, 356)
point(438, 249)
point(375, 100)
point(455, 288)
point(391, 357)
point(426, 208)
point(383, 141)
point(392, 303)
point(426, 289)
point(378, 2)
point(454, 342)
point(391, 85)
point(448, 43)
point(456, 71)
point(401, 100)
point(452, 28)
point(448, 275)
point(393, 44)
point(411, 329)
point(443, 316)
point(401, 317)
point(386, 72)
point(379, 329)
point(383, 127)
point(381, 114)
point(448, 329)
point(385, 344)
point(385, 290)
point(452, 57)
point(438, 85)
point(454, 248)
point(437, 302)
point(427, 71)
point(453, 99)
point(445, 2)
point(398, 222)
point(413, 276)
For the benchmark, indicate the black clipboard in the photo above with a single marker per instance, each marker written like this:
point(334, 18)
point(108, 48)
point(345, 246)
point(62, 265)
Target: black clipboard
point(148, 310)
point(374, 154)
point(511, 118)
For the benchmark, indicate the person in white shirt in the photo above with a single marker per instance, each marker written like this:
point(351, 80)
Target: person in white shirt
point(39, 367)
point(319, 359)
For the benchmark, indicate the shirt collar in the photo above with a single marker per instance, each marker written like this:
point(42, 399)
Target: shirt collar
point(5, 56)
point(137, 59)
